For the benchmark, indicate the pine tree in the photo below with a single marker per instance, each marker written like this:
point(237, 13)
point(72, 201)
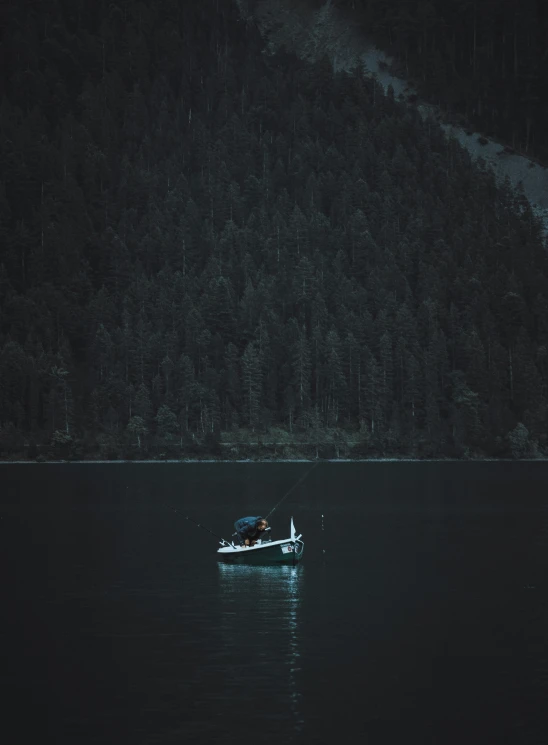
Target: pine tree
point(187, 392)
point(335, 382)
point(252, 383)
point(142, 404)
point(166, 427)
point(61, 401)
point(301, 364)
point(137, 429)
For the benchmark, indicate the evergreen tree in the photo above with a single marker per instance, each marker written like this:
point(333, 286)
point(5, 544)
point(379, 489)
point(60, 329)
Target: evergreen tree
point(228, 239)
point(252, 383)
point(137, 429)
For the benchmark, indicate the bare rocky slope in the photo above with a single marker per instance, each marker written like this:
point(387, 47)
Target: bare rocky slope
point(313, 33)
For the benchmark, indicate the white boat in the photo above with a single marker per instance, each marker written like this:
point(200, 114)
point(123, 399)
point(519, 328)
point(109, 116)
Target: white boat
point(265, 551)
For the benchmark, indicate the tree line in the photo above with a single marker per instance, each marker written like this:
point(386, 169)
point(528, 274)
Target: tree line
point(199, 239)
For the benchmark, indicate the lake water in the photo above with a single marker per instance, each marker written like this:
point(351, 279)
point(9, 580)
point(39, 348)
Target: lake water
point(418, 615)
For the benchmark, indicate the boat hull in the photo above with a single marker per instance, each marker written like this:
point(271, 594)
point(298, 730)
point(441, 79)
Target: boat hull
point(281, 553)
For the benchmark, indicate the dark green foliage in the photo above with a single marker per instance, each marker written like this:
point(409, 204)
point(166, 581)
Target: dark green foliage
point(198, 238)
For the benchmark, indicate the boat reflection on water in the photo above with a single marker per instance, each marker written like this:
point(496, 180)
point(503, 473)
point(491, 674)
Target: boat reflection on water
point(260, 608)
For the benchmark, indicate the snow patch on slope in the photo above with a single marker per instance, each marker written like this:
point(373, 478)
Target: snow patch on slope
point(313, 33)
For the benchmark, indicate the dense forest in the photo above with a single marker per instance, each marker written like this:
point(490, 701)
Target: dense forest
point(201, 243)
point(485, 62)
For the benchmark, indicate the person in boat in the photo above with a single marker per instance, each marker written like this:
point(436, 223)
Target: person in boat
point(250, 529)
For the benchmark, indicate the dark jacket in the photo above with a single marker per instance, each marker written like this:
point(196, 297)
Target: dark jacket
point(246, 527)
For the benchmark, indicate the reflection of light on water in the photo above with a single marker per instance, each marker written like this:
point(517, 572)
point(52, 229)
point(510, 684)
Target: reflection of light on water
point(273, 594)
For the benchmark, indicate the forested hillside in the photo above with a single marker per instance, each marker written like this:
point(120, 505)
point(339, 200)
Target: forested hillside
point(483, 60)
point(198, 239)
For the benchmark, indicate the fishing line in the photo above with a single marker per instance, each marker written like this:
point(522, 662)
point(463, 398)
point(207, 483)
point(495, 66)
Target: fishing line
point(203, 527)
point(293, 487)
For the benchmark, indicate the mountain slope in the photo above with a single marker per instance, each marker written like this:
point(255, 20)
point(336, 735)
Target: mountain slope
point(203, 243)
point(311, 33)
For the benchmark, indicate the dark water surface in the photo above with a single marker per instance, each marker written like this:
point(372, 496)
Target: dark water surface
point(419, 614)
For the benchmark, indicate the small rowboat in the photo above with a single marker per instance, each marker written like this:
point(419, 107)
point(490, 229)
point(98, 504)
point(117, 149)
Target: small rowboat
point(287, 551)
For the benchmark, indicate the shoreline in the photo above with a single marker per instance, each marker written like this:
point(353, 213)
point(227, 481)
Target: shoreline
point(275, 460)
